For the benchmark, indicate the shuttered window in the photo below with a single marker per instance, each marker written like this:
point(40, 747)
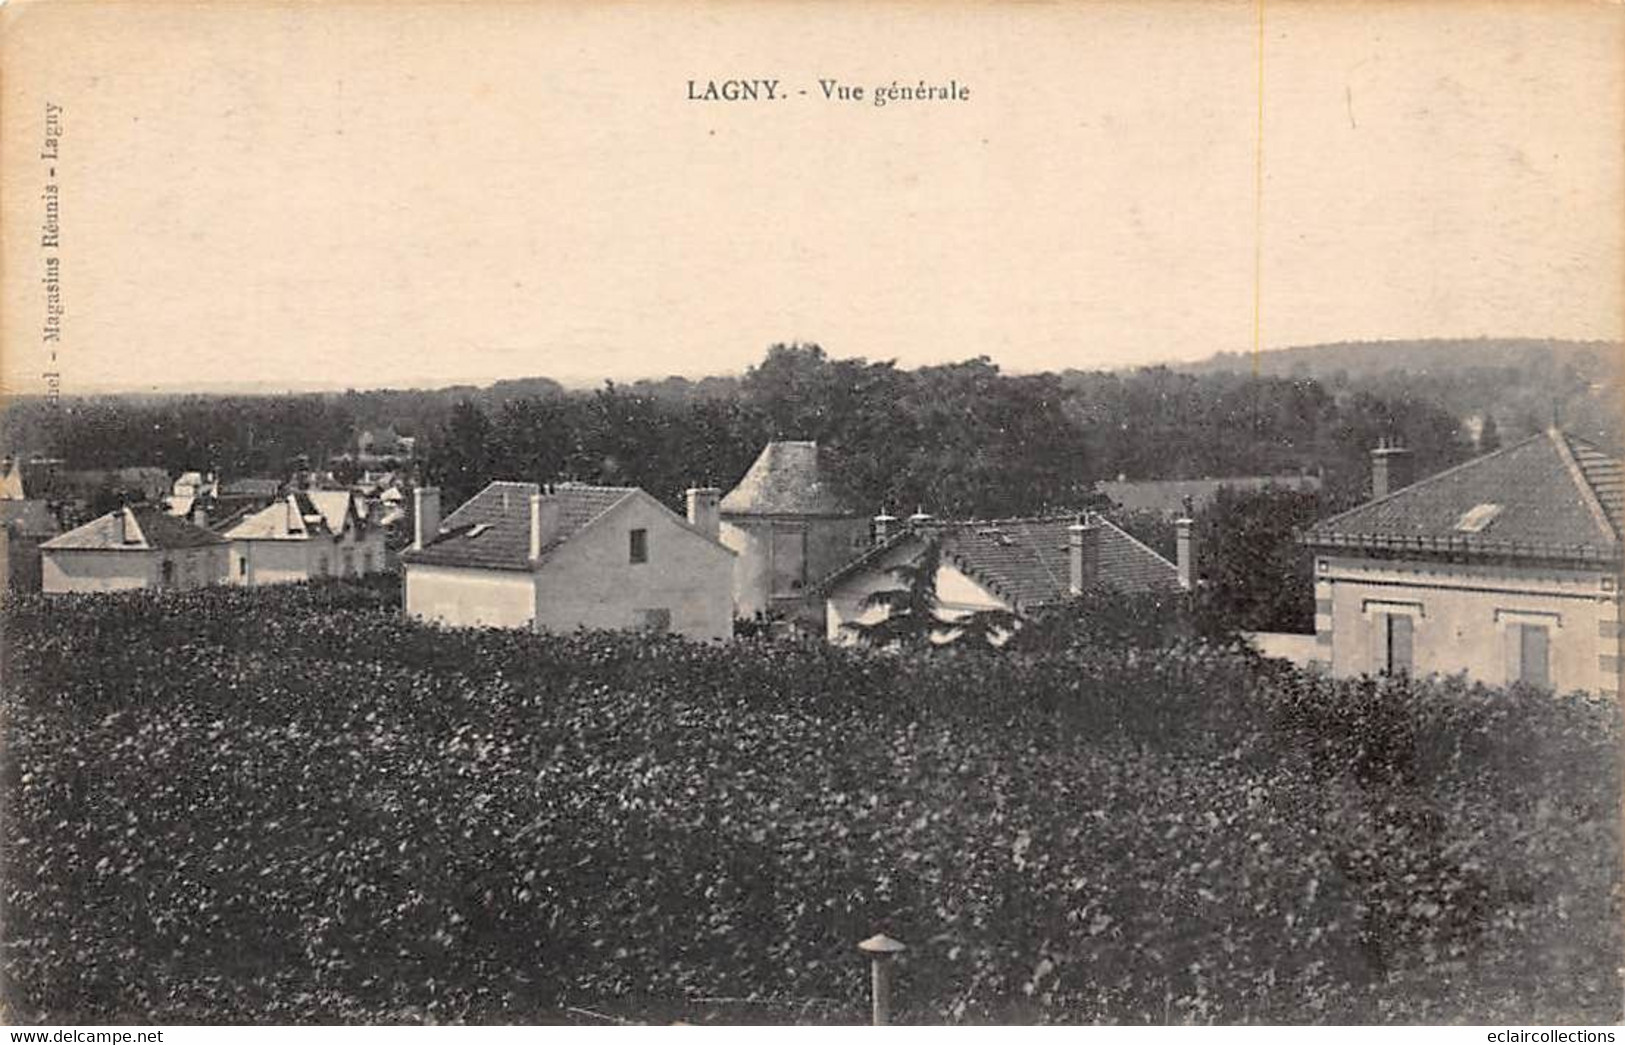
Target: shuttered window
point(1534, 655)
point(1399, 634)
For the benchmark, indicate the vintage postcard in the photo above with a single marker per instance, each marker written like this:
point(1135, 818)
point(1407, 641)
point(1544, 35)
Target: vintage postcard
point(936, 514)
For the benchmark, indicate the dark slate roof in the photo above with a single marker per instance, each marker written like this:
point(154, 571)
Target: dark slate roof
point(504, 509)
point(147, 528)
point(1553, 497)
point(1025, 561)
point(31, 518)
point(788, 478)
point(1168, 495)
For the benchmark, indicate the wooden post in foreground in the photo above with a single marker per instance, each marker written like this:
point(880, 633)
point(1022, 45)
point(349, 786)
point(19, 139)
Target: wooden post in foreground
point(881, 949)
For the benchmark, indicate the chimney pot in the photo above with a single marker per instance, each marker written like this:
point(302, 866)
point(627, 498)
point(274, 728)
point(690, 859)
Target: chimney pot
point(1390, 468)
point(544, 522)
point(1185, 537)
point(1083, 553)
point(425, 515)
point(704, 512)
point(883, 526)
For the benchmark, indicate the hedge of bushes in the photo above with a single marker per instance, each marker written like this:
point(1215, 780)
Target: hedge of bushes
point(292, 805)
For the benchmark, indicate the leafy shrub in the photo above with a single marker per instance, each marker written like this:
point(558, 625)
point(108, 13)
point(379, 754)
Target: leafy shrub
point(293, 805)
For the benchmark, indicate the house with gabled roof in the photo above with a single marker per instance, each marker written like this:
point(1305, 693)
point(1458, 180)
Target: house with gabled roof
point(1505, 568)
point(791, 524)
point(133, 547)
point(303, 535)
point(561, 557)
point(1019, 566)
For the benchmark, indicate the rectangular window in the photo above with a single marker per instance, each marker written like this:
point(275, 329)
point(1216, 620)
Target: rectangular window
point(1399, 630)
point(639, 547)
point(1534, 655)
point(242, 566)
point(657, 622)
point(789, 551)
point(321, 566)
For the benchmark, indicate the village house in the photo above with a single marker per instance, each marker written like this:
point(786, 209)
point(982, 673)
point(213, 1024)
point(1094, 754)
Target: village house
point(1506, 568)
point(790, 525)
point(1019, 566)
point(557, 558)
point(303, 535)
point(24, 526)
point(132, 547)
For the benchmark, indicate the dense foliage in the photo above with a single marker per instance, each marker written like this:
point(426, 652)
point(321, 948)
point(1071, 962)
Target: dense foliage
point(293, 805)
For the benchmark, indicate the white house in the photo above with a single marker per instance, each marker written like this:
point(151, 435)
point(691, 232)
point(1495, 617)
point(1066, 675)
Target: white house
point(1019, 566)
point(791, 525)
point(140, 547)
point(310, 533)
point(1505, 568)
point(568, 556)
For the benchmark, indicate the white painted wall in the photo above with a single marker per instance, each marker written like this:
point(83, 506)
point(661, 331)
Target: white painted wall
point(469, 598)
point(287, 561)
point(85, 570)
point(830, 544)
point(1461, 617)
point(591, 582)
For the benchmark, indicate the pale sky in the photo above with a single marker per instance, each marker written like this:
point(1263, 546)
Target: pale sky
point(396, 195)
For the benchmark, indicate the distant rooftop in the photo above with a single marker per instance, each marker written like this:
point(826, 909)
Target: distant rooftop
point(145, 528)
point(1026, 561)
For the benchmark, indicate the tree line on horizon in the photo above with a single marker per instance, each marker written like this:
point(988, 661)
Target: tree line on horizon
point(961, 439)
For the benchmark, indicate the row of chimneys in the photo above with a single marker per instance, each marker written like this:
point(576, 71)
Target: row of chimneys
point(704, 514)
point(1082, 546)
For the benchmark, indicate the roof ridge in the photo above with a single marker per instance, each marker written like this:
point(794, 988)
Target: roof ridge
point(1588, 492)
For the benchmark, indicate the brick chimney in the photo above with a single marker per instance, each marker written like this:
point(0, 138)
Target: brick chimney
point(544, 521)
point(1082, 553)
point(703, 513)
point(1390, 468)
point(200, 516)
point(292, 515)
point(425, 515)
point(1185, 540)
point(883, 524)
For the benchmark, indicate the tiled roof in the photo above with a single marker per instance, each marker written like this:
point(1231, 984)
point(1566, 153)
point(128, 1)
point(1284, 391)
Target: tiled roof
point(1026, 561)
point(1168, 495)
point(1603, 474)
point(503, 509)
point(1548, 496)
point(788, 478)
point(32, 518)
point(146, 527)
point(296, 517)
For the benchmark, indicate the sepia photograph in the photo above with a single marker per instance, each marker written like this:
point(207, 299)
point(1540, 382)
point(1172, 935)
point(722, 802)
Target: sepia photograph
point(690, 512)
